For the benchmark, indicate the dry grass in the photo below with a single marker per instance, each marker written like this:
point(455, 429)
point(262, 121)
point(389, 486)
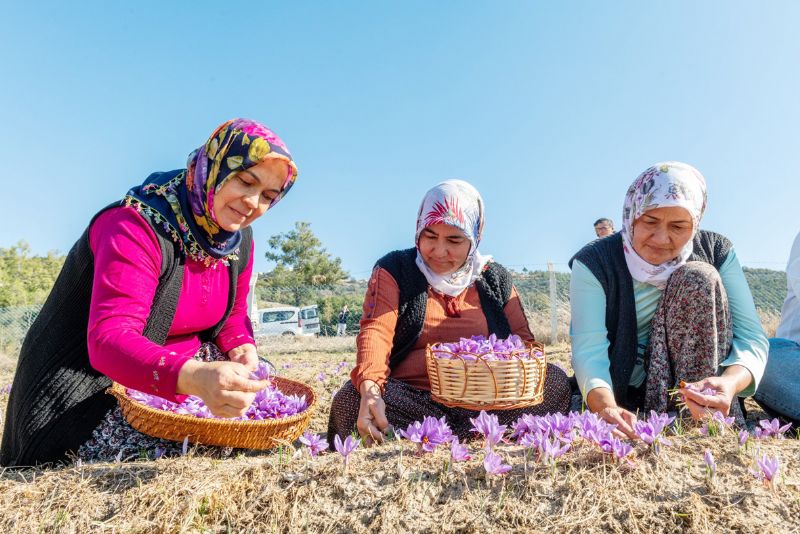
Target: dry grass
point(387, 491)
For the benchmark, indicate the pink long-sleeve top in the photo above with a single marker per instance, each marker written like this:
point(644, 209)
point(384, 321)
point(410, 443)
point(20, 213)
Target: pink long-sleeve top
point(127, 265)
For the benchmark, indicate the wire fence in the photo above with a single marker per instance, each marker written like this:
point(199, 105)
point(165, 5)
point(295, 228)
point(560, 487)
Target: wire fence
point(544, 296)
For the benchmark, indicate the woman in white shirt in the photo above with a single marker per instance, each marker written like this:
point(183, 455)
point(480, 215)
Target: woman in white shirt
point(780, 388)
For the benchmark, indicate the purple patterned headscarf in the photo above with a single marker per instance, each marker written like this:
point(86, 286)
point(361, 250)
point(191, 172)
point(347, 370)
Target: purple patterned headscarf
point(185, 198)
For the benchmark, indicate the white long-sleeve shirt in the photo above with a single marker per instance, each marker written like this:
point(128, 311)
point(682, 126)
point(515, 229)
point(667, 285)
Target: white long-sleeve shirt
point(790, 314)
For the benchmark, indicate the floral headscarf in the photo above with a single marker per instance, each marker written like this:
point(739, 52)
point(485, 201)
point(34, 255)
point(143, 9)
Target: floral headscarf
point(667, 184)
point(183, 200)
point(458, 204)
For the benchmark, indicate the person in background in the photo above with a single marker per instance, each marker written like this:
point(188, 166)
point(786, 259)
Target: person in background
point(662, 302)
point(779, 392)
point(442, 289)
point(153, 296)
point(603, 227)
point(341, 322)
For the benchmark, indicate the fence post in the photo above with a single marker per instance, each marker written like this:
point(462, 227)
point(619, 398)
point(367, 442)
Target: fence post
point(553, 304)
point(252, 306)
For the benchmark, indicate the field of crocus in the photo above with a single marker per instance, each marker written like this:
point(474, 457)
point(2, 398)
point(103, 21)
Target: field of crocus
point(545, 474)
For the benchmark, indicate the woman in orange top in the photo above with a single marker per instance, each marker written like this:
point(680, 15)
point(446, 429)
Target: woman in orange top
point(442, 290)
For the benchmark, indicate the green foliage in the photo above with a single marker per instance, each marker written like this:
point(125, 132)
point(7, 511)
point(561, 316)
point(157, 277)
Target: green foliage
point(301, 265)
point(25, 279)
point(768, 288)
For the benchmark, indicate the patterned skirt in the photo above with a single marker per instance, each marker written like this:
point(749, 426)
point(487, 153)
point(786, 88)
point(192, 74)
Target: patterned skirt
point(114, 439)
point(691, 335)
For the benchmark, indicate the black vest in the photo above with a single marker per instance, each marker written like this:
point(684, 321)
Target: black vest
point(57, 398)
point(494, 290)
point(606, 260)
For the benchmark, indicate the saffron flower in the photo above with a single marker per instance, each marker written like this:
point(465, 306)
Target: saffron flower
point(743, 437)
point(616, 447)
point(711, 465)
point(314, 443)
point(490, 348)
point(322, 377)
point(768, 429)
point(494, 465)
point(651, 431)
point(429, 434)
point(551, 450)
point(489, 426)
point(458, 452)
point(768, 468)
point(345, 447)
point(716, 425)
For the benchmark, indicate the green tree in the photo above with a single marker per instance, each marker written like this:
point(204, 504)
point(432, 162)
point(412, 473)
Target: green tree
point(26, 279)
point(302, 265)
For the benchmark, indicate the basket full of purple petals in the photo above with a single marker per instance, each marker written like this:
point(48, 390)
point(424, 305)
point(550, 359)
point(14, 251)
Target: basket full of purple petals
point(278, 415)
point(481, 373)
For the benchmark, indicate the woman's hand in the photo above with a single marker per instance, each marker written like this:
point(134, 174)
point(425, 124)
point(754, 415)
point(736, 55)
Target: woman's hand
point(225, 387)
point(602, 402)
point(734, 379)
point(371, 422)
point(246, 355)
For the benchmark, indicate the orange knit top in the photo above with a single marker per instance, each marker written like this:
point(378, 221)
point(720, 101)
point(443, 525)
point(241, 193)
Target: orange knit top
point(374, 341)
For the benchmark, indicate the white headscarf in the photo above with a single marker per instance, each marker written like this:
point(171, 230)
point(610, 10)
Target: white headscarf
point(671, 183)
point(458, 204)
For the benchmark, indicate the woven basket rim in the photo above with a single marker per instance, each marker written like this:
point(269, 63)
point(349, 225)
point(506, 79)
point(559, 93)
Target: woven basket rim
point(121, 393)
point(431, 348)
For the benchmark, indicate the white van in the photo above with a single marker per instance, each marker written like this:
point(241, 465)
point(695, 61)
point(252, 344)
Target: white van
point(309, 319)
point(287, 321)
point(283, 321)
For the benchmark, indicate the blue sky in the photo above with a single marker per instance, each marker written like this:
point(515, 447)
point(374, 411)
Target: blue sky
point(550, 109)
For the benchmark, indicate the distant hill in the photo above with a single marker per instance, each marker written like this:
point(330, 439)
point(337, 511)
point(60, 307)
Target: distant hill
point(768, 288)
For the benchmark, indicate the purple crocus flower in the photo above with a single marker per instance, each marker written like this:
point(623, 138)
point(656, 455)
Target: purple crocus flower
point(533, 440)
point(322, 377)
point(489, 426)
point(716, 425)
point(651, 431)
point(743, 437)
point(494, 465)
point(769, 467)
point(314, 443)
point(616, 447)
point(767, 429)
point(345, 447)
point(458, 452)
point(429, 434)
point(711, 465)
point(5, 390)
point(551, 451)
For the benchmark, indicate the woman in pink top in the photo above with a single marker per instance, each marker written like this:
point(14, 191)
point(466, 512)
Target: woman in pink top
point(153, 296)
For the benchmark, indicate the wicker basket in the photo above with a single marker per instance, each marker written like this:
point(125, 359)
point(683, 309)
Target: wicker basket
point(262, 434)
point(487, 384)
